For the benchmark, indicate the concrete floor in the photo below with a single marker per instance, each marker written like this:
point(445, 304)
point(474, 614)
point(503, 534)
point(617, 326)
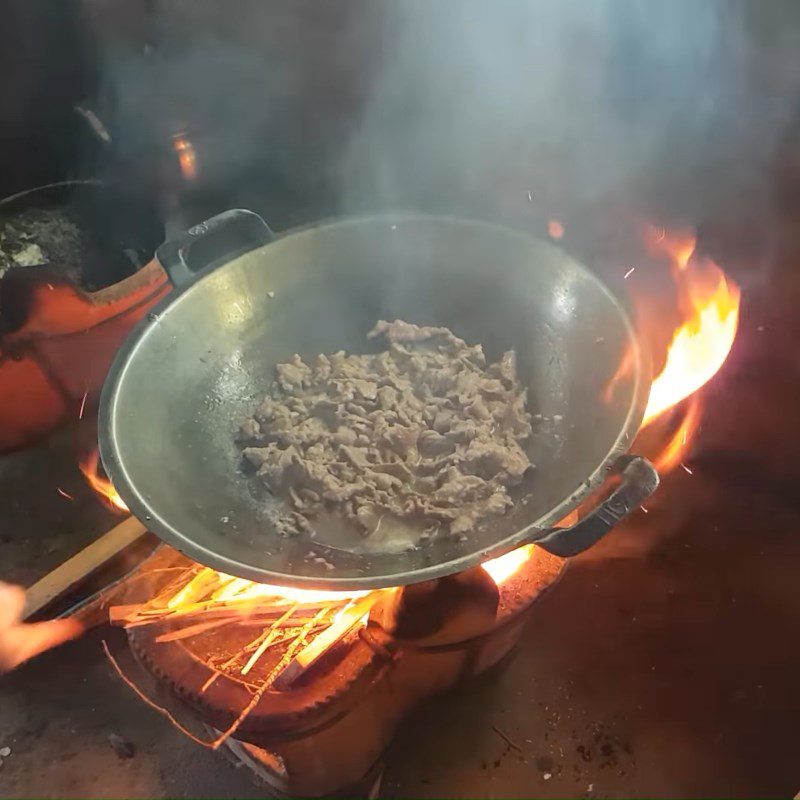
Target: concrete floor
point(663, 665)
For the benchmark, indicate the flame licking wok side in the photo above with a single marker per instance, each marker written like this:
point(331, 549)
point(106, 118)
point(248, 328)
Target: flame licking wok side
point(104, 488)
point(709, 301)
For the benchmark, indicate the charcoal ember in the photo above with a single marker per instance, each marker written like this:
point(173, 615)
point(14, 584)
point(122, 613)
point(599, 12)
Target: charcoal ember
point(424, 432)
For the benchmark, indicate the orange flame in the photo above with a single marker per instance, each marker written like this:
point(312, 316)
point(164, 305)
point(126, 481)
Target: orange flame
point(243, 589)
point(678, 246)
point(240, 590)
point(502, 568)
point(187, 158)
point(101, 485)
point(710, 302)
point(499, 569)
point(672, 453)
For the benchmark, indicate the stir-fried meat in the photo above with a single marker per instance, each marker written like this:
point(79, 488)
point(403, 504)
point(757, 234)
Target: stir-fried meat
point(423, 432)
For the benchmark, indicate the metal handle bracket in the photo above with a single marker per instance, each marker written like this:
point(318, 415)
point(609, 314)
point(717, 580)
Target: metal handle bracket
point(212, 243)
point(639, 481)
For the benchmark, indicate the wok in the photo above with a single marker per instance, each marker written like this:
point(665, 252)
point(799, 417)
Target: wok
point(245, 300)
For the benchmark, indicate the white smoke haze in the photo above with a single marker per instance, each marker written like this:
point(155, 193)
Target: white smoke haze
point(577, 99)
point(454, 105)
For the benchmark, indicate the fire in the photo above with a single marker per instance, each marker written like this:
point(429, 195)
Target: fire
point(243, 589)
point(187, 158)
point(232, 589)
point(502, 568)
point(672, 453)
point(678, 246)
point(101, 485)
point(710, 301)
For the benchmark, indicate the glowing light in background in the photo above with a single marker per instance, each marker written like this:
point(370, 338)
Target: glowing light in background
point(187, 158)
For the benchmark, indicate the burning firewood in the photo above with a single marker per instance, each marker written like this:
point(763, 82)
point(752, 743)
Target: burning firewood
point(201, 601)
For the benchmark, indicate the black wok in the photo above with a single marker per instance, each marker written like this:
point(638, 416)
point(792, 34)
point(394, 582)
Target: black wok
point(245, 301)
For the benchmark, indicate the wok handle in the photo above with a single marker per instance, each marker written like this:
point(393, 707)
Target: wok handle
point(211, 244)
point(639, 481)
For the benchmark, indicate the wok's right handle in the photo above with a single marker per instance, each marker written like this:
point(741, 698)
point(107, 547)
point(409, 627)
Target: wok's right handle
point(212, 243)
point(639, 481)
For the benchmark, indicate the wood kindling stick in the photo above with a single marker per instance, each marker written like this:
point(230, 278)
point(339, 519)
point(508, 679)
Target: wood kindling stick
point(135, 616)
point(191, 630)
point(196, 588)
point(76, 569)
point(268, 639)
point(342, 625)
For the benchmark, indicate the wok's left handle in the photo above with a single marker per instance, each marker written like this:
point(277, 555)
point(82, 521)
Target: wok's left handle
point(639, 481)
point(211, 244)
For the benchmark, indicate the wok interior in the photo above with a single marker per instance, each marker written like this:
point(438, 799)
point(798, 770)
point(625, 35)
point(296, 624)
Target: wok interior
point(198, 371)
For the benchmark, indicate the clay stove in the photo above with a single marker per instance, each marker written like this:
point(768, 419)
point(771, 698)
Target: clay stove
point(308, 692)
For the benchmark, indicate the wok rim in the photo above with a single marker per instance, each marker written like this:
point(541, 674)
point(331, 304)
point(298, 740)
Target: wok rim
point(140, 508)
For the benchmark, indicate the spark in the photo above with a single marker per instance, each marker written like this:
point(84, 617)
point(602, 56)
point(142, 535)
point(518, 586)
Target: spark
point(83, 405)
point(644, 509)
point(530, 197)
point(64, 494)
point(687, 469)
point(629, 273)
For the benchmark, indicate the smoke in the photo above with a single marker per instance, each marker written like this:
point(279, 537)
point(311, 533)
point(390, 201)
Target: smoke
point(467, 106)
point(573, 101)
